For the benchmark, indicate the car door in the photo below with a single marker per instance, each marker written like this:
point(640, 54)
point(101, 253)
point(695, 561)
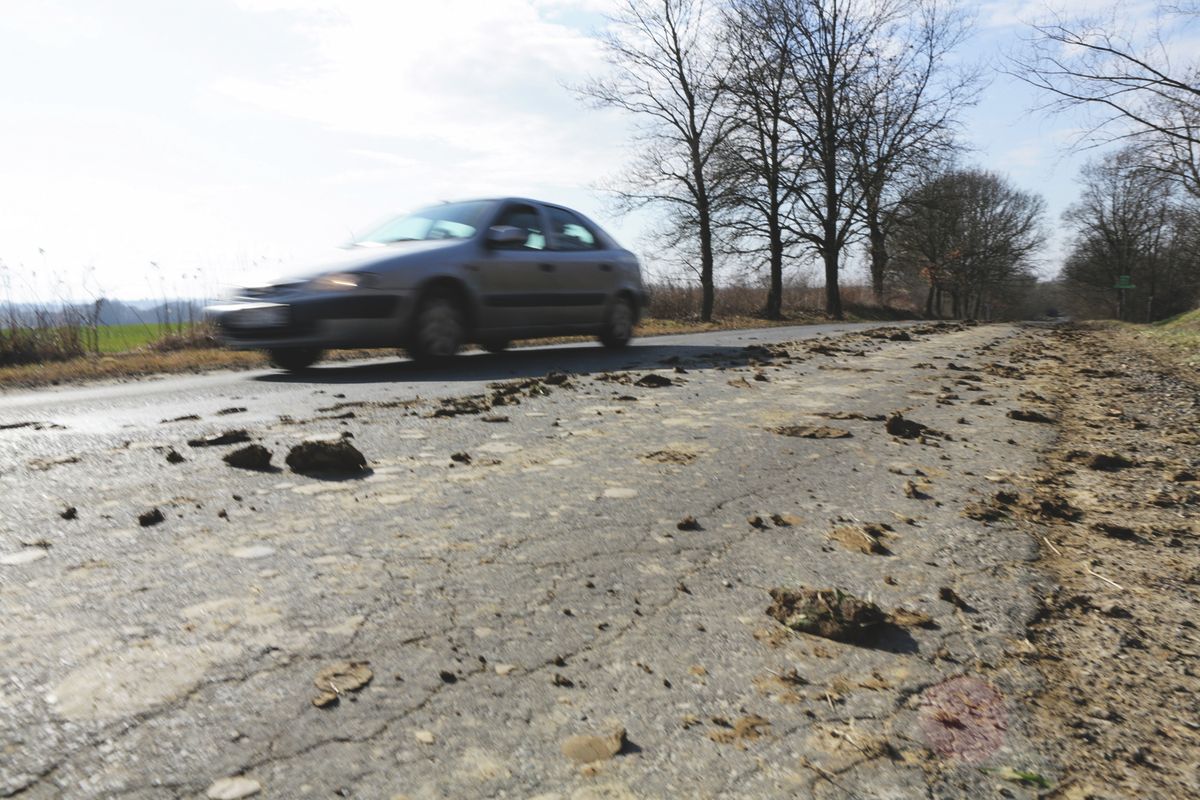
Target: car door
point(517, 282)
point(585, 270)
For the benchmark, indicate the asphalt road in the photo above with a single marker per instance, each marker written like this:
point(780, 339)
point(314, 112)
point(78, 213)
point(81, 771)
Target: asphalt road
point(510, 577)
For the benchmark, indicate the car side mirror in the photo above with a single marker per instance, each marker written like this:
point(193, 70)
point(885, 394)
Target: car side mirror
point(506, 234)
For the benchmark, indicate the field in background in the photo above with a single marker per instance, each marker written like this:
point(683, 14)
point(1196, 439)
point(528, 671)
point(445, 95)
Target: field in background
point(1178, 336)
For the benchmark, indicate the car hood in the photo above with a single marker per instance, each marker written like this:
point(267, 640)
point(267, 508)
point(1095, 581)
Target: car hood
point(364, 259)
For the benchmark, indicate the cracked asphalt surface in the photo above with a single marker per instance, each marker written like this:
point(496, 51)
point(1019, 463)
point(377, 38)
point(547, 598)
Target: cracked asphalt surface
point(540, 589)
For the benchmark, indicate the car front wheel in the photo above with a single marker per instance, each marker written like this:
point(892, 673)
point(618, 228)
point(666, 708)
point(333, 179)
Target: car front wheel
point(294, 359)
point(439, 329)
point(618, 325)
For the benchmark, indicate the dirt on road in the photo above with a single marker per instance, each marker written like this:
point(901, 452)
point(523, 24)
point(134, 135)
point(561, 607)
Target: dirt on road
point(941, 561)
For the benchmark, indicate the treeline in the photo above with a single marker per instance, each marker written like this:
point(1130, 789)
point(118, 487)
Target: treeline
point(1138, 214)
point(772, 130)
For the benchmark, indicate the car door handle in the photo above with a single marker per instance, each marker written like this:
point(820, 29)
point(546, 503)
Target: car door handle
point(606, 267)
point(546, 267)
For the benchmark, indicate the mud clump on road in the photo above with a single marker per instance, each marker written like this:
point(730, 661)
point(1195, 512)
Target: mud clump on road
point(339, 679)
point(152, 517)
point(828, 613)
point(868, 538)
point(173, 457)
point(1029, 415)
point(253, 457)
point(670, 457)
point(747, 728)
point(587, 748)
point(1103, 462)
point(903, 428)
point(689, 523)
point(239, 436)
point(325, 457)
point(812, 432)
point(652, 380)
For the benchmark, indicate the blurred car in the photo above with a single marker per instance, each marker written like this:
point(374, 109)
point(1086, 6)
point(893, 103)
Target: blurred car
point(483, 271)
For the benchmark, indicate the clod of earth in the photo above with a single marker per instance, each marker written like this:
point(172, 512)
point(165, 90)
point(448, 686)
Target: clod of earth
point(151, 517)
point(1182, 476)
point(239, 436)
point(914, 492)
point(586, 749)
point(785, 520)
point(1029, 415)
point(849, 415)
point(326, 457)
point(70, 512)
point(184, 418)
point(950, 596)
point(963, 717)
point(867, 538)
point(689, 523)
point(1102, 462)
point(234, 410)
point(461, 458)
point(338, 679)
point(670, 457)
point(173, 457)
point(252, 457)
point(1116, 531)
point(652, 380)
point(812, 432)
point(829, 613)
point(904, 618)
point(494, 418)
point(749, 727)
point(897, 425)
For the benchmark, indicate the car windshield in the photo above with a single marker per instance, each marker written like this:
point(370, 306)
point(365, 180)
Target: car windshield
point(448, 221)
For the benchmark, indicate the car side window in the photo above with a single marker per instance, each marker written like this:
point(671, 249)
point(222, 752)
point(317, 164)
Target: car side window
point(527, 219)
point(570, 232)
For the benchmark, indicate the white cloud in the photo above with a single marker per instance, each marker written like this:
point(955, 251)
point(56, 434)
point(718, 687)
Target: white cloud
point(480, 88)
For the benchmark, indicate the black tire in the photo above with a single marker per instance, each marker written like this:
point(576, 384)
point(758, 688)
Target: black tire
point(294, 359)
point(495, 345)
point(618, 323)
point(439, 328)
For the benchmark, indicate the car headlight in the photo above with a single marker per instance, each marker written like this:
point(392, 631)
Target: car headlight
point(341, 281)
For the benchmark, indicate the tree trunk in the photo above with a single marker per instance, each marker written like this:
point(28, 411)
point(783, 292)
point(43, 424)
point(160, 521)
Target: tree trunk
point(775, 292)
point(833, 298)
point(929, 301)
point(879, 253)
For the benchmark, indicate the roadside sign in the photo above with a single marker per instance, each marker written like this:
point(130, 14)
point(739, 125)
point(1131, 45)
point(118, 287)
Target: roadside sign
point(1123, 282)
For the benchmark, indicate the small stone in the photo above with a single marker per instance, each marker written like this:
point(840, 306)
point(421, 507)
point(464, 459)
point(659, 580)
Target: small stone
point(233, 788)
point(424, 737)
point(620, 493)
point(505, 669)
point(20, 557)
point(251, 552)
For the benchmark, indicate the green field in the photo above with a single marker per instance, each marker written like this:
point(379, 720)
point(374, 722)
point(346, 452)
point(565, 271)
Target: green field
point(123, 338)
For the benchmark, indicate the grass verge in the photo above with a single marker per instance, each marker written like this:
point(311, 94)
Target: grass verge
point(146, 361)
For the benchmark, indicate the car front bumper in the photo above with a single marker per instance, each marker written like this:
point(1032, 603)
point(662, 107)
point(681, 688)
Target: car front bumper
point(373, 319)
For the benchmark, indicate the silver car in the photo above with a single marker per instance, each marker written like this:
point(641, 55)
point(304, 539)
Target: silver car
point(483, 271)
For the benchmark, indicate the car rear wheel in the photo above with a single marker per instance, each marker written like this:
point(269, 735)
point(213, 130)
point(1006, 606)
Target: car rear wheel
point(618, 324)
point(439, 329)
point(294, 359)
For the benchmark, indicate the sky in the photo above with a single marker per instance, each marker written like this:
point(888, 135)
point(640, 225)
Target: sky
point(153, 148)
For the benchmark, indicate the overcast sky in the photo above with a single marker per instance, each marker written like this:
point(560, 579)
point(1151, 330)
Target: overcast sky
point(151, 147)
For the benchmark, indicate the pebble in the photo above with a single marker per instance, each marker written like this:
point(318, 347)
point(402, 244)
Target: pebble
point(233, 788)
point(22, 557)
point(424, 737)
point(620, 493)
point(254, 551)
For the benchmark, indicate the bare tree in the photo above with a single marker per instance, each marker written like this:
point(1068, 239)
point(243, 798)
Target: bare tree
point(1129, 221)
point(835, 47)
point(915, 100)
point(971, 236)
point(666, 71)
point(762, 158)
point(1131, 85)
